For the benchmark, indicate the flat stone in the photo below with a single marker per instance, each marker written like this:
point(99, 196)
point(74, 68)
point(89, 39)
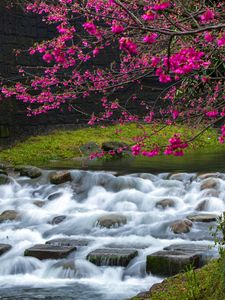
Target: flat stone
point(57, 220)
point(171, 262)
point(209, 183)
point(111, 220)
point(202, 218)
point(165, 203)
point(60, 177)
point(4, 179)
point(49, 251)
point(181, 226)
point(29, 171)
point(69, 242)
point(4, 248)
point(112, 257)
point(39, 203)
point(210, 175)
point(9, 215)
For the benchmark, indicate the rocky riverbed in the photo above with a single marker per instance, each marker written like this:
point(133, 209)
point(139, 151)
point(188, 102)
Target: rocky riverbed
point(90, 232)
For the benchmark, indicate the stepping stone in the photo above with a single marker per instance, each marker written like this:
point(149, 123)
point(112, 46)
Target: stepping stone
point(60, 177)
point(49, 251)
point(4, 248)
point(181, 226)
point(203, 218)
point(171, 262)
point(112, 257)
point(209, 183)
point(69, 242)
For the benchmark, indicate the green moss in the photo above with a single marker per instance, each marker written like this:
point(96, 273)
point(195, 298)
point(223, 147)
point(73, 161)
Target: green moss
point(66, 144)
point(209, 281)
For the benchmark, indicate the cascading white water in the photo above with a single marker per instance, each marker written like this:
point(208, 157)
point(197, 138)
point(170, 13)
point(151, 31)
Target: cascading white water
point(89, 196)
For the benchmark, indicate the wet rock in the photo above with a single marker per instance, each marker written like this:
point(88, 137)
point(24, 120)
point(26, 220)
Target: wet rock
point(209, 183)
point(4, 248)
point(4, 179)
point(165, 203)
point(9, 215)
point(57, 220)
point(29, 171)
point(112, 257)
point(49, 251)
point(54, 196)
point(181, 226)
point(60, 177)
point(107, 146)
point(69, 242)
point(171, 262)
point(202, 205)
point(112, 220)
point(180, 177)
point(210, 175)
point(39, 203)
point(211, 193)
point(202, 218)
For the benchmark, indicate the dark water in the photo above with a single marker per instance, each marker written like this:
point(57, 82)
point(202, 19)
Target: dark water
point(199, 162)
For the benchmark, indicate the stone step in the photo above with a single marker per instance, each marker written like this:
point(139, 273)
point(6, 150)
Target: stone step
point(69, 242)
point(41, 251)
point(112, 257)
point(177, 257)
point(4, 248)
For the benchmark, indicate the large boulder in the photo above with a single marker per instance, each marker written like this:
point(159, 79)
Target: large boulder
point(9, 215)
point(60, 177)
point(112, 257)
point(111, 220)
point(171, 262)
point(165, 203)
point(209, 183)
point(181, 226)
point(29, 171)
point(4, 248)
point(202, 218)
point(4, 179)
point(69, 242)
point(49, 251)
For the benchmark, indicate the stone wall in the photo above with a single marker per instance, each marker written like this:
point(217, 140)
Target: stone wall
point(20, 31)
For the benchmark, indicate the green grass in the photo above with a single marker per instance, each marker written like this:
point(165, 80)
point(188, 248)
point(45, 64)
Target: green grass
point(209, 280)
point(62, 144)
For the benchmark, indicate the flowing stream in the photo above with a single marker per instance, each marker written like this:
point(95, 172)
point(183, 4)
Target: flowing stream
point(89, 196)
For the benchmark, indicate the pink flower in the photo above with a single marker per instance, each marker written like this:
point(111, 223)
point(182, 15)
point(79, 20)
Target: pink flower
point(117, 29)
point(212, 114)
point(128, 45)
point(149, 16)
point(150, 39)
point(136, 150)
point(208, 37)
point(47, 57)
point(161, 6)
point(208, 16)
point(90, 28)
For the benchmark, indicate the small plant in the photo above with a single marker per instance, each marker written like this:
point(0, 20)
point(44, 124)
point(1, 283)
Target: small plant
point(193, 286)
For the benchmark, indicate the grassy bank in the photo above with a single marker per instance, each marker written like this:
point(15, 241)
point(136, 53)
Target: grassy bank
point(66, 144)
point(206, 283)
